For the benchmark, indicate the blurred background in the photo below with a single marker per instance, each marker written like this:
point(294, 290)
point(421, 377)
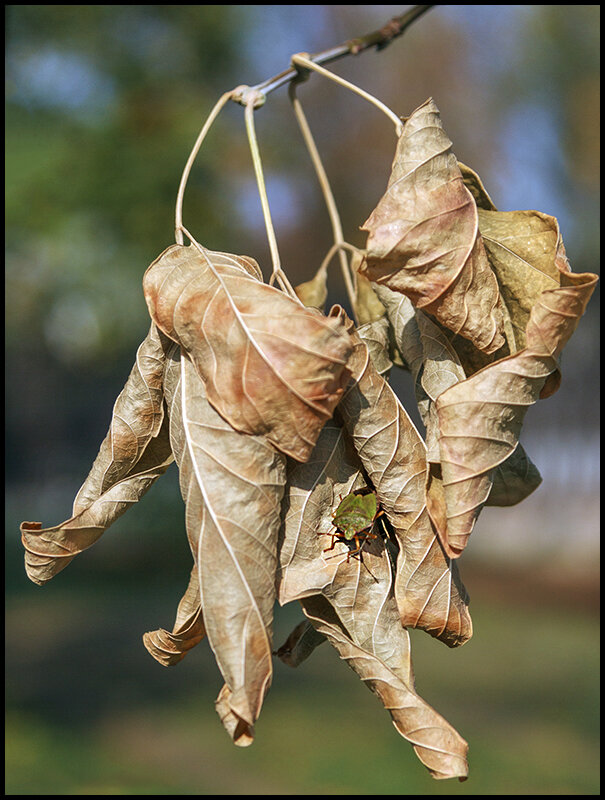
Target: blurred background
point(103, 104)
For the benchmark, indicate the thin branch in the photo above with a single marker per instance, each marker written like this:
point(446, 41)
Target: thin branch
point(301, 60)
point(378, 39)
point(202, 135)
point(325, 189)
point(253, 99)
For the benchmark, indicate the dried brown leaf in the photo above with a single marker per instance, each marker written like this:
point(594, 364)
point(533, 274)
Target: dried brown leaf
point(480, 418)
point(435, 366)
point(232, 484)
point(171, 647)
point(376, 335)
point(514, 479)
point(428, 590)
point(475, 186)
point(358, 588)
point(135, 452)
point(424, 238)
point(271, 366)
point(527, 255)
point(299, 645)
point(314, 293)
point(313, 491)
point(438, 746)
point(366, 304)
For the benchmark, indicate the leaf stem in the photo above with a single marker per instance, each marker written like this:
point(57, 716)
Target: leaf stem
point(303, 60)
point(253, 98)
point(178, 217)
point(326, 191)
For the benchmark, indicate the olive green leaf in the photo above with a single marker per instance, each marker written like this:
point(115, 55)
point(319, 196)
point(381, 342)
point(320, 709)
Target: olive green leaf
point(133, 455)
point(271, 366)
point(424, 238)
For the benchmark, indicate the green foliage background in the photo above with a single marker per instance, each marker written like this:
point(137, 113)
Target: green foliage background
point(103, 105)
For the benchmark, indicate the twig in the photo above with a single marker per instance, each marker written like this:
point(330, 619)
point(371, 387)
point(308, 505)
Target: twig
point(378, 39)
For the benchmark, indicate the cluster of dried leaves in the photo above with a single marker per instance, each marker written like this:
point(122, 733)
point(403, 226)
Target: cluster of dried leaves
point(274, 410)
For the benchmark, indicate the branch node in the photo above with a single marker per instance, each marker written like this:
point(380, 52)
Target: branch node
point(388, 32)
point(245, 95)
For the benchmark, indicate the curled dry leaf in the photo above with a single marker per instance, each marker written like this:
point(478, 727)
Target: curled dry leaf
point(475, 186)
point(428, 589)
point(357, 611)
point(313, 490)
point(262, 376)
point(424, 238)
point(359, 587)
point(513, 480)
point(527, 254)
point(366, 304)
point(435, 366)
point(436, 743)
point(135, 452)
point(171, 647)
point(232, 484)
point(314, 293)
point(376, 335)
point(480, 418)
point(299, 645)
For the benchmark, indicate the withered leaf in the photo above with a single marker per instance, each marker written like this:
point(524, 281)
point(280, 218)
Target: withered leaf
point(313, 490)
point(232, 484)
point(135, 452)
point(435, 366)
point(360, 587)
point(475, 186)
point(480, 418)
point(527, 254)
point(357, 612)
point(299, 645)
point(171, 647)
point(271, 366)
point(428, 590)
point(438, 746)
point(376, 335)
point(366, 305)
point(513, 480)
point(424, 238)
point(314, 293)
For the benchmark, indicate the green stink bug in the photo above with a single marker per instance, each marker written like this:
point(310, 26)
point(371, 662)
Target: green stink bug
point(354, 520)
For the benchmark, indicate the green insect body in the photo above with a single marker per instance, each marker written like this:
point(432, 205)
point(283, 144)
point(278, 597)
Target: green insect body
point(354, 520)
point(355, 514)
